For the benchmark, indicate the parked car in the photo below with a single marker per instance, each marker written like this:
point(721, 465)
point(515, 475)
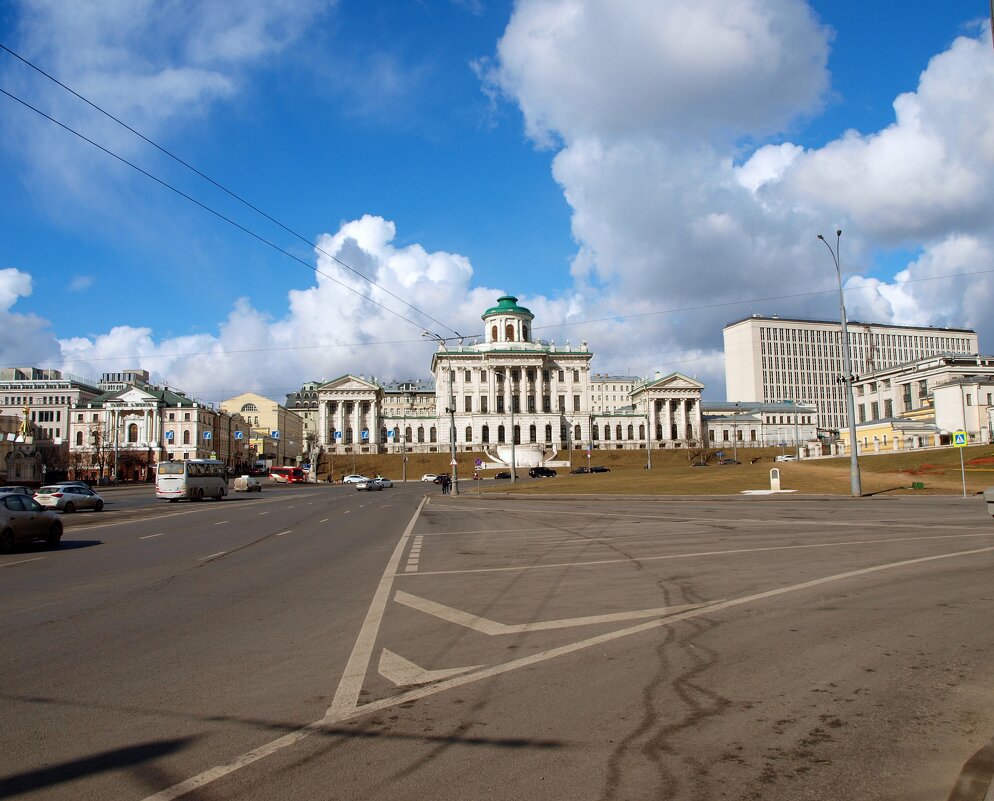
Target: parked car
point(542, 472)
point(355, 478)
point(787, 457)
point(247, 483)
point(580, 470)
point(597, 469)
point(69, 498)
point(432, 477)
point(386, 483)
point(368, 484)
point(16, 491)
point(503, 474)
point(729, 461)
point(23, 519)
point(700, 464)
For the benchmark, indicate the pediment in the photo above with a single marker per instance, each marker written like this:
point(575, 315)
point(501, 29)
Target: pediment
point(675, 381)
point(348, 383)
point(131, 395)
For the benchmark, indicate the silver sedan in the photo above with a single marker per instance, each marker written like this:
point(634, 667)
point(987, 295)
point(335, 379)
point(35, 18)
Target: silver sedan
point(22, 519)
point(69, 498)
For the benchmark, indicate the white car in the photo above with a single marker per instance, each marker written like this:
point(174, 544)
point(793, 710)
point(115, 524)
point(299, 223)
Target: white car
point(368, 484)
point(247, 484)
point(429, 477)
point(69, 498)
point(355, 478)
point(785, 458)
point(386, 483)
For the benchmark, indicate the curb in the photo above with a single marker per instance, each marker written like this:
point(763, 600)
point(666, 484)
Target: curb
point(976, 780)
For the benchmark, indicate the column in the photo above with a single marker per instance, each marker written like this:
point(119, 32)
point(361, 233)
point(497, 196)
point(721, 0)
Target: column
point(340, 418)
point(323, 423)
point(374, 426)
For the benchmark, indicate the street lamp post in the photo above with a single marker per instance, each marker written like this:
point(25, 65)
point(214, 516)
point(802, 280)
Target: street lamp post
point(648, 437)
point(854, 479)
point(451, 410)
point(514, 395)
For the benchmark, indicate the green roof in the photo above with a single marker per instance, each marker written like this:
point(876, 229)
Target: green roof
point(508, 304)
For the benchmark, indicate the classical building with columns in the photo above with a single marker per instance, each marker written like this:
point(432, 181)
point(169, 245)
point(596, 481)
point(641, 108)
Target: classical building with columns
point(507, 387)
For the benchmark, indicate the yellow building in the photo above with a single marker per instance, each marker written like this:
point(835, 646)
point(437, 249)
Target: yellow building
point(277, 432)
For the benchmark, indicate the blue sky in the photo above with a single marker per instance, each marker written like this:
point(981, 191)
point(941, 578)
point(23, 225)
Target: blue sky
point(600, 160)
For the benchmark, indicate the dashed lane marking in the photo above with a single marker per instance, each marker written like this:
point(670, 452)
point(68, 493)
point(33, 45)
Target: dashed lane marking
point(415, 555)
point(289, 530)
point(212, 556)
point(22, 561)
point(220, 522)
point(324, 520)
point(150, 536)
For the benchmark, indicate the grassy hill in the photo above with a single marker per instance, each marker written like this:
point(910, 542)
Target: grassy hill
point(938, 470)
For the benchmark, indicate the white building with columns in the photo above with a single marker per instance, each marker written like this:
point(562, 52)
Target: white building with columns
point(507, 387)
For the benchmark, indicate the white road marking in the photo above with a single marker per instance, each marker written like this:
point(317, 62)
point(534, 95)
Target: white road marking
point(414, 555)
point(22, 561)
point(402, 672)
point(349, 511)
point(212, 556)
point(263, 513)
point(149, 536)
point(284, 532)
point(338, 714)
point(347, 696)
point(492, 627)
point(697, 554)
point(324, 520)
point(220, 522)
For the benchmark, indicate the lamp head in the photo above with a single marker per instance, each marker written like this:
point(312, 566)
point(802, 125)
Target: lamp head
point(819, 236)
point(838, 232)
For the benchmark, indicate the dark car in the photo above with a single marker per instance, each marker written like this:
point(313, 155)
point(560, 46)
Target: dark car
point(23, 519)
point(600, 469)
point(580, 470)
point(440, 478)
point(503, 474)
point(729, 461)
point(542, 472)
point(15, 490)
point(700, 464)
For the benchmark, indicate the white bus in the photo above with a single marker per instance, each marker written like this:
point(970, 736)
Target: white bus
point(195, 479)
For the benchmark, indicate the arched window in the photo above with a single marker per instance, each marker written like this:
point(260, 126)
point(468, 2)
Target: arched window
point(186, 437)
point(421, 433)
point(532, 434)
point(548, 433)
point(594, 433)
point(524, 333)
point(249, 407)
point(407, 434)
point(493, 333)
point(469, 433)
point(659, 431)
point(607, 431)
point(500, 435)
point(509, 332)
point(348, 436)
point(641, 432)
point(517, 435)
point(631, 431)
point(79, 437)
point(617, 431)
point(433, 434)
point(485, 435)
point(576, 433)
point(383, 434)
point(133, 432)
point(396, 435)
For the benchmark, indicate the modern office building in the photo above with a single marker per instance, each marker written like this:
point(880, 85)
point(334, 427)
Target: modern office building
point(775, 359)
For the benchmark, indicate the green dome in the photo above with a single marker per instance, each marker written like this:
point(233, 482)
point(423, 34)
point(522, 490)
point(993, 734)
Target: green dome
point(508, 304)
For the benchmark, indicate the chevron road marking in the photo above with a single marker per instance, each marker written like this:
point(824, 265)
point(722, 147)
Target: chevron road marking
point(403, 672)
point(492, 627)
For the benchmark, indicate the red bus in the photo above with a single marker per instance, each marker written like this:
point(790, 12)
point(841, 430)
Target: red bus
point(288, 475)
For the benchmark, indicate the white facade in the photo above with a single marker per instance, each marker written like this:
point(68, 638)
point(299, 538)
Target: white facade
point(772, 359)
point(508, 388)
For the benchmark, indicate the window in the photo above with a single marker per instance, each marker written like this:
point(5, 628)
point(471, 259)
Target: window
point(576, 375)
point(485, 434)
point(468, 403)
point(546, 403)
point(468, 376)
point(562, 403)
point(246, 407)
point(532, 433)
point(79, 437)
point(531, 403)
point(576, 403)
point(483, 404)
point(186, 437)
point(562, 375)
point(133, 432)
point(493, 333)
point(969, 399)
point(469, 433)
point(509, 332)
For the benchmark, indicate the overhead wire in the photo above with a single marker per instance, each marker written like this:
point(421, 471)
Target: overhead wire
point(219, 186)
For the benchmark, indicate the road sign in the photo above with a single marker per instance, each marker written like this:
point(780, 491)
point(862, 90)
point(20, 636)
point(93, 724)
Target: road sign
point(959, 439)
point(338, 435)
point(169, 436)
point(275, 435)
point(454, 463)
point(365, 435)
point(479, 462)
point(207, 435)
point(390, 434)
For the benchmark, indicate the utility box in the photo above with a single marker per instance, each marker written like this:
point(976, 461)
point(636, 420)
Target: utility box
point(775, 480)
point(989, 497)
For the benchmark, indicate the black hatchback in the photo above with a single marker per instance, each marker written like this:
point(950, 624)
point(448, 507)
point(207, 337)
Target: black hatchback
point(542, 472)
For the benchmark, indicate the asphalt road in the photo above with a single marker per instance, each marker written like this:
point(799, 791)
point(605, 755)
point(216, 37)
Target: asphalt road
point(316, 642)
